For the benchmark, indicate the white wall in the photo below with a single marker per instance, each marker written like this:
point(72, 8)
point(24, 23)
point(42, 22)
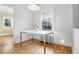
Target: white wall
point(63, 21)
point(76, 15)
point(76, 28)
point(6, 9)
point(64, 24)
point(22, 21)
point(76, 41)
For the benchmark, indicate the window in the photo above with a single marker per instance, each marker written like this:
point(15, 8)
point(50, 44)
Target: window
point(47, 17)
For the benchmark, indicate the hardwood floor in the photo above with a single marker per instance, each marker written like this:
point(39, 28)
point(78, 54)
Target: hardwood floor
point(36, 47)
point(33, 47)
point(30, 47)
point(6, 43)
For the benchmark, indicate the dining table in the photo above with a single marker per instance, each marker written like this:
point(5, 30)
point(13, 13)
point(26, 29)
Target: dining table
point(44, 33)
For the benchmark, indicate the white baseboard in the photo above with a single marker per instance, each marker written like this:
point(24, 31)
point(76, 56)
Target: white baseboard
point(4, 34)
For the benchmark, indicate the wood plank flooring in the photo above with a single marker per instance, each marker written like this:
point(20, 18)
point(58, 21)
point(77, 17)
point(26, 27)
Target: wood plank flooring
point(6, 44)
point(30, 47)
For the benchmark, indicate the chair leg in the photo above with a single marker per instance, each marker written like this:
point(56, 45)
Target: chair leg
point(50, 39)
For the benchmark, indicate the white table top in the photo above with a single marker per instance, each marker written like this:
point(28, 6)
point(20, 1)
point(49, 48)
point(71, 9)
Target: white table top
point(38, 31)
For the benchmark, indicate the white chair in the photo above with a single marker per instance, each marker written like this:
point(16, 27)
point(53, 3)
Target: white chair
point(50, 38)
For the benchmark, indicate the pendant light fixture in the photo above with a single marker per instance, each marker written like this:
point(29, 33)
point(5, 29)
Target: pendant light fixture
point(34, 7)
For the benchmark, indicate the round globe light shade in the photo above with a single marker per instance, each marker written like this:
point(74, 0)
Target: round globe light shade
point(34, 7)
